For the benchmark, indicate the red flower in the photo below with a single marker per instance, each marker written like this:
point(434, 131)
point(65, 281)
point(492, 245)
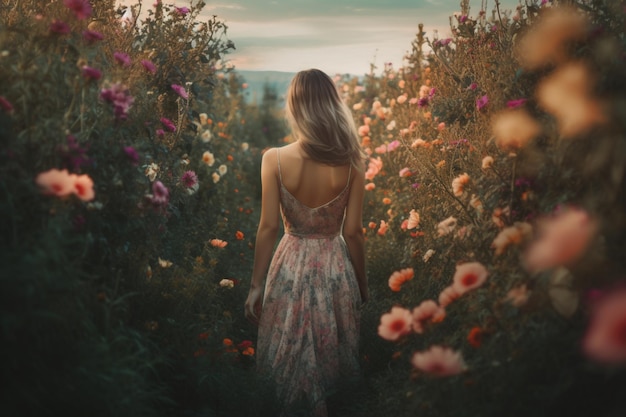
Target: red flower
point(475, 337)
point(81, 8)
point(239, 235)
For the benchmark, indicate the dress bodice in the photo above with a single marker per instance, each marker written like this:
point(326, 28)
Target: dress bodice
point(312, 222)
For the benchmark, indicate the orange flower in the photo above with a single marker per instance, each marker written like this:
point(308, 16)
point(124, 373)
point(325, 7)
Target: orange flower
point(518, 296)
point(203, 336)
point(475, 337)
point(230, 158)
point(459, 183)
point(372, 225)
point(218, 243)
point(395, 324)
point(469, 276)
point(510, 236)
point(370, 186)
point(414, 220)
point(514, 128)
point(383, 228)
point(249, 351)
point(386, 200)
point(400, 277)
point(239, 235)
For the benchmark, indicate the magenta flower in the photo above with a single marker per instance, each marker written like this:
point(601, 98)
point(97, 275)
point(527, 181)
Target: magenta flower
point(132, 155)
point(120, 98)
point(482, 102)
point(515, 103)
point(74, 156)
point(122, 58)
point(168, 124)
point(160, 132)
point(189, 179)
point(160, 194)
point(180, 90)
point(182, 10)
point(81, 8)
point(91, 73)
point(148, 66)
point(422, 102)
point(463, 19)
point(92, 36)
point(6, 105)
point(59, 27)
point(393, 146)
point(472, 86)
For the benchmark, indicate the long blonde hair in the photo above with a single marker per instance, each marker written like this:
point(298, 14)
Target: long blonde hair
point(322, 122)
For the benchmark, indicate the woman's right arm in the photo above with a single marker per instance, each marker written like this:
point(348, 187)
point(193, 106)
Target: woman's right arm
point(267, 232)
point(353, 231)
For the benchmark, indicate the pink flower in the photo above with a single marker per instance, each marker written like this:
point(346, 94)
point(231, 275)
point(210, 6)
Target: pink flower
point(132, 155)
point(562, 240)
point(605, 340)
point(120, 98)
point(448, 295)
point(381, 149)
point(370, 186)
point(189, 179)
point(180, 90)
point(427, 311)
point(395, 324)
point(512, 104)
point(83, 187)
point(91, 73)
point(6, 105)
point(459, 183)
point(182, 10)
point(400, 277)
point(59, 27)
point(439, 361)
point(148, 66)
point(122, 58)
point(364, 130)
point(168, 124)
point(56, 182)
point(160, 194)
point(414, 220)
point(393, 146)
point(92, 36)
point(482, 102)
point(81, 8)
point(373, 168)
point(405, 172)
point(469, 276)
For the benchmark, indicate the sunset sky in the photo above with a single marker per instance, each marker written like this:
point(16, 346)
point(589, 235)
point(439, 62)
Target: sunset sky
point(336, 36)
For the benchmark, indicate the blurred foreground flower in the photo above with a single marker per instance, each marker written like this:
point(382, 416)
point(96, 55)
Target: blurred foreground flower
point(439, 361)
point(61, 183)
point(544, 42)
point(566, 94)
point(514, 129)
point(605, 340)
point(81, 8)
point(395, 324)
point(562, 239)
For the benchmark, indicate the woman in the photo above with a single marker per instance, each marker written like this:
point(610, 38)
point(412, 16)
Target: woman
point(308, 310)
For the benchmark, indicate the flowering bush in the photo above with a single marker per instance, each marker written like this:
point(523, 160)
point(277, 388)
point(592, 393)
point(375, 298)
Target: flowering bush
point(493, 146)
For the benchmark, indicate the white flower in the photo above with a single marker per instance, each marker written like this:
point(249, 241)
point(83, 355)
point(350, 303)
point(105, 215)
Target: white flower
point(151, 171)
point(223, 169)
point(245, 146)
point(429, 253)
point(206, 136)
point(227, 283)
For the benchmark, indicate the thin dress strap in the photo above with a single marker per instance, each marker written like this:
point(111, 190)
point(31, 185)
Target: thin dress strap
point(280, 175)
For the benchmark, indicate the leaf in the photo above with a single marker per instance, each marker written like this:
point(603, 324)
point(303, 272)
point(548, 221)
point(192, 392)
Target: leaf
point(563, 298)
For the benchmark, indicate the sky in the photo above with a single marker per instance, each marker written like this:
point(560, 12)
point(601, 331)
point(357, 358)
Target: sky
point(336, 36)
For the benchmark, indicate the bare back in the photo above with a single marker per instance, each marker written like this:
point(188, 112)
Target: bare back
point(312, 183)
